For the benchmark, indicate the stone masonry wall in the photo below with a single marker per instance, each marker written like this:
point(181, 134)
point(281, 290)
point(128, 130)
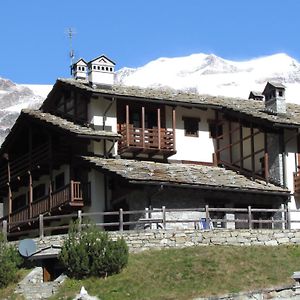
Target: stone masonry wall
point(160, 239)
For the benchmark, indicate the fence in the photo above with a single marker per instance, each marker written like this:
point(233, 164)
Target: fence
point(207, 218)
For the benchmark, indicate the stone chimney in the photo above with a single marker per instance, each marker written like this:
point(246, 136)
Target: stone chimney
point(101, 71)
point(275, 98)
point(79, 69)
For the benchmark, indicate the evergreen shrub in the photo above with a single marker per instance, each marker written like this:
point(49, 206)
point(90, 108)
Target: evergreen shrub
point(90, 252)
point(10, 260)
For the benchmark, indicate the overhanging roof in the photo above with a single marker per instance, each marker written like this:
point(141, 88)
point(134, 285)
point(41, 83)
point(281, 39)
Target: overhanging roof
point(68, 126)
point(206, 177)
point(244, 108)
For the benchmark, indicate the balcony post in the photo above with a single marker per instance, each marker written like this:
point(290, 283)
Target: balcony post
point(174, 127)
point(143, 126)
point(50, 196)
point(30, 195)
point(158, 128)
point(127, 125)
point(72, 191)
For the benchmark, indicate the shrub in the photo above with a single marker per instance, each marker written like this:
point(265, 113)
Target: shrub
point(90, 252)
point(10, 260)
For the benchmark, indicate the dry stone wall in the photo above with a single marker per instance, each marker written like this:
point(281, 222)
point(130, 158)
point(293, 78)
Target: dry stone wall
point(160, 239)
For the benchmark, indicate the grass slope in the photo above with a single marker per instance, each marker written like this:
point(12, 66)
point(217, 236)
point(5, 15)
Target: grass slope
point(191, 272)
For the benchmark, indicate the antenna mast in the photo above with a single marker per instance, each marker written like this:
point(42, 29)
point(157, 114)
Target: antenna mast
point(70, 32)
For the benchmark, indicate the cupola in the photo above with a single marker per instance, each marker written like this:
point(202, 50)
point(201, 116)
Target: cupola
point(256, 96)
point(101, 71)
point(79, 69)
point(275, 98)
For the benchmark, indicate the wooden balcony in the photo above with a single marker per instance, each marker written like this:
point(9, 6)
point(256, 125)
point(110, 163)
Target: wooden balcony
point(155, 141)
point(70, 195)
point(297, 183)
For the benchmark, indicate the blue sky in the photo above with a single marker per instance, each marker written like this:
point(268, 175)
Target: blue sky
point(34, 46)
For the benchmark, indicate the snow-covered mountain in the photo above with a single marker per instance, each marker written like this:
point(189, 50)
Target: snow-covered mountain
point(13, 98)
point(205, 73)
point(210, 74)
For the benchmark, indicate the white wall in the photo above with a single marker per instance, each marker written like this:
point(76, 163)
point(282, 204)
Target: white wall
point(96, 110)
point(291, 167)
point(199, 148)
point(97, 195)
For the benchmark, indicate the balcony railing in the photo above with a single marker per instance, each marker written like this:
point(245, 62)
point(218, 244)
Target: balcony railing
point(71, 195)
point(146, 139)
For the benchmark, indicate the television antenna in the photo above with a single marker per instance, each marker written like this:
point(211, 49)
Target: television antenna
point(71, 32)
point(27, 247)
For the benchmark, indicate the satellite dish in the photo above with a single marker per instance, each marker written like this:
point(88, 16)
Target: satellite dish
point(27, 247)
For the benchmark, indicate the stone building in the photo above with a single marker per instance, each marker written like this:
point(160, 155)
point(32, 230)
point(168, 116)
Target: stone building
point(97, 146)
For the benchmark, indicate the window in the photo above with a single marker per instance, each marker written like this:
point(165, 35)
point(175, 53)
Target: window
point(191, 126)
point(280, 93)
point(215, 130)
point(19, 202)
point(102, 68)
point(39, 191)
point(94, 67)
point(110, 69)
point(59, 181)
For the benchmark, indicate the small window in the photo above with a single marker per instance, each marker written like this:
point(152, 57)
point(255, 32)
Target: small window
point(59, 181)
point(83, 68)
point(19, 202)
point(106, 68)
point(215, 130)
point(102, 68)
point(94, 67)
point(280, 93)
point(39, 191)
point(98, 67)
point(191, 126)
point(110, 69)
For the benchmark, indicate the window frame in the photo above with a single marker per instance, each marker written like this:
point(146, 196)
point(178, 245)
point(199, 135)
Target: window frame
point(188, 124)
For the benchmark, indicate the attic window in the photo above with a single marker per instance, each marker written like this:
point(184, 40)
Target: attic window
point(280, 93)
point(191, 126)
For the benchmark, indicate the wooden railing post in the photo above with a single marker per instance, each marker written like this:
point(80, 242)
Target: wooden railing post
point(41, 225)
point(207, 215)
point(4, 229)
point(121, 219)
point(249, 217)
point(71, 191)
point(164, 216)
point(158, 128)
point(79, 216)
point(288, 218)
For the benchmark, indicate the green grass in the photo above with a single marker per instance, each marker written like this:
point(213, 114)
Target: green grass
point(191, 272)
point(8, 292)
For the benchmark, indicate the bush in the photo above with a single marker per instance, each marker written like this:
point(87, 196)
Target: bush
point(91, 252)
point(10, 260)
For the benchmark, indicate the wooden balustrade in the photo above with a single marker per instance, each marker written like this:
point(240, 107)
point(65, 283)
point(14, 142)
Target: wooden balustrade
point(145, 138)
point(68, 195)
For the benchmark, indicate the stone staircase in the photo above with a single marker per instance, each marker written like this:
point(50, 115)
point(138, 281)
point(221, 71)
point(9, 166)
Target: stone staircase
point(32, 286)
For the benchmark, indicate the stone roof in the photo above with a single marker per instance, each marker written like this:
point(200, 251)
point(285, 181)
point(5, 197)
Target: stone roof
point(68, 125)
point(254, 110)
point(181, 174)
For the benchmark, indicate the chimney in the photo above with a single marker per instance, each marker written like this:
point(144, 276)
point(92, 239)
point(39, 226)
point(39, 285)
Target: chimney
point(275, 98)
point(79, 69)
point(256, 96)
point(101, 71)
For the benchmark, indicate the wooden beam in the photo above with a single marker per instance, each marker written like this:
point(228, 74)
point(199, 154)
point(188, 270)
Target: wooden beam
point(241, 146)
point(266, 159)
point(158, 128)
point(30, 193)
point(174, 127)
point(252, 152)
point(127, 125)
point(230, 141)
point(9, 190)
point(217, 139)
point(143, 126)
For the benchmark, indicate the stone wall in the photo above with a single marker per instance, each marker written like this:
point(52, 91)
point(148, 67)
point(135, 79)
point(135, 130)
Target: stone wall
point(159, 239)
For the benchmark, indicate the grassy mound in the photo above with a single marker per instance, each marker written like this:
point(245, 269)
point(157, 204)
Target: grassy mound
point(193, 272)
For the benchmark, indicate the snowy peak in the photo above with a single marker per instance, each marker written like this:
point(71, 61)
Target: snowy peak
point(210, 74)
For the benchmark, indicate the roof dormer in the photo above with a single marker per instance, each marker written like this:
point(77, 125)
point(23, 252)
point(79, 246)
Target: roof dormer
point(79, 69)
point(101, 71)
point(275, 98)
